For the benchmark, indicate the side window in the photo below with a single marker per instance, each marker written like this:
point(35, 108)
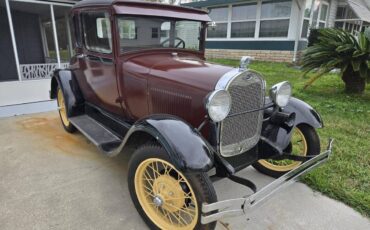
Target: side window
point(97, 32)
point(76, 31)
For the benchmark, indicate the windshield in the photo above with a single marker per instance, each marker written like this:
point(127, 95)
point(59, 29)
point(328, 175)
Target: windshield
point(138, 33)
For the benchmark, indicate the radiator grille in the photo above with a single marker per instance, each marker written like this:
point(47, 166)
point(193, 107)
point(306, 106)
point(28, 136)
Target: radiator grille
point(242, 132)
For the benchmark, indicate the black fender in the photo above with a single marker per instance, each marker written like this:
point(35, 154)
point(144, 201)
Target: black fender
point(72, 95)
point(186, 147)
point(304, 114)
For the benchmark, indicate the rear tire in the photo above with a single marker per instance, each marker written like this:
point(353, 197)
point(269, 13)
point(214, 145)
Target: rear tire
point(155, 193)
point(67, 125)
point(311, 141)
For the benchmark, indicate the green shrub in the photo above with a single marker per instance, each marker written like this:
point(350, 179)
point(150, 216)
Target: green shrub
point(338, 49)
point(313, 37)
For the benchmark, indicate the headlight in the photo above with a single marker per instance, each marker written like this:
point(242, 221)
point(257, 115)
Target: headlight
point(218, 105)
point(280, 93)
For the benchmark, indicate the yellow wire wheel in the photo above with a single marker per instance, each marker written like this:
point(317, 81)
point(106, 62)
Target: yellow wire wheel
point(62, 108)
point(165, 195)
point(299, 147)
point(304, 141)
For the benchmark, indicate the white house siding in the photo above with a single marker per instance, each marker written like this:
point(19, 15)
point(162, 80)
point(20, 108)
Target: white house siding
point(294, 24)
point(332, 12)
point(20, 92)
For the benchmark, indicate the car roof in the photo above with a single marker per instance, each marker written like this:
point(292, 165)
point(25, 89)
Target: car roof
point(85, 3)
point(144, 8)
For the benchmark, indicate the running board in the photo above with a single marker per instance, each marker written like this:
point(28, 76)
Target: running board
point(97, 133)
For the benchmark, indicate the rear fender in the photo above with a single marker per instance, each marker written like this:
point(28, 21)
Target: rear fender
point(69, 86)
point(186, 147)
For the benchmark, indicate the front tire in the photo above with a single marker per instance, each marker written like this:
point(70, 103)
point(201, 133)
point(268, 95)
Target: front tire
point(165, 197)
point(305, 141)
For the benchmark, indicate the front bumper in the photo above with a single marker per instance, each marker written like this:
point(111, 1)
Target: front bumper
point(243, 206)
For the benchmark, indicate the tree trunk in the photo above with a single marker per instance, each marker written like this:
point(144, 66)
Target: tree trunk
point(354, 83)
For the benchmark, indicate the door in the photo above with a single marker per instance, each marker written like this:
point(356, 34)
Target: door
point(320, 14)
point(97, 72)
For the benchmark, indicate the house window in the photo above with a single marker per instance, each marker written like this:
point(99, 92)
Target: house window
point(220, 16)
point(341, 12)
point(127, 29)
point(97, 32)
point(243, 20)
point(306, 18)
point(323, 15)
point(155, 32)
point(275, 17)
point(315, 15)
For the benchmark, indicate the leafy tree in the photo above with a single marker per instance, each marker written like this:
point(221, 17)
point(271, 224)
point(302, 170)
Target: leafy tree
point(338, 49)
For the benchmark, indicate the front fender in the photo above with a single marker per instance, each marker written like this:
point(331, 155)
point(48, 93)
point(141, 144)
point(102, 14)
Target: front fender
point(186, 147)
point(305, 114)
point(276, 138)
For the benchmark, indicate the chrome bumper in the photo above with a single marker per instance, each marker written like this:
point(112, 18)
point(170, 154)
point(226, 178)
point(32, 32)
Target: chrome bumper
point(242, 206)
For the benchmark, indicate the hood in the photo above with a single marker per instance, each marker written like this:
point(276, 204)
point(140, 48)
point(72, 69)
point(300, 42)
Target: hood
point(184, 69)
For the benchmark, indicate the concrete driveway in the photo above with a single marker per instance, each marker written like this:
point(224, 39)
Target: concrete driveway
point(50, 179)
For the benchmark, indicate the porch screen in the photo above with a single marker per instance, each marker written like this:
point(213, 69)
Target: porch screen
point(8, 68)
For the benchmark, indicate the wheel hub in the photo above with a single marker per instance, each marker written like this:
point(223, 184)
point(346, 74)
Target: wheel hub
point(158, 202)
point(170, 192)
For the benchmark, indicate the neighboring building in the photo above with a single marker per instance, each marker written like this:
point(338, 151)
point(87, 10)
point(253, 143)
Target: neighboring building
point(276, 30)
point(34, 40)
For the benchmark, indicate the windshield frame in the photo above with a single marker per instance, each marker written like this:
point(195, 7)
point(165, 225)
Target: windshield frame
point(202, 35)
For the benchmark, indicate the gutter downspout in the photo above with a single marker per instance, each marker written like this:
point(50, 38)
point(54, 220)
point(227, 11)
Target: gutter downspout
point(298, 33)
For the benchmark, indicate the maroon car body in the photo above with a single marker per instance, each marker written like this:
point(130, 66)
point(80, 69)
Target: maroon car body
point(139, 84)
point(179, 74)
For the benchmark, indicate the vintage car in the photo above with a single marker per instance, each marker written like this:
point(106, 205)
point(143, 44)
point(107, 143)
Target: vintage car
point(139, 84)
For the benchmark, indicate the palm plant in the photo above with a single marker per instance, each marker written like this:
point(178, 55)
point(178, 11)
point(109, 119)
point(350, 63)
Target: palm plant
point(338, 49)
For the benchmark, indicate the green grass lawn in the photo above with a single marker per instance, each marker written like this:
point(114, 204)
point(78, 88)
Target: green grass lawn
point(346, 176)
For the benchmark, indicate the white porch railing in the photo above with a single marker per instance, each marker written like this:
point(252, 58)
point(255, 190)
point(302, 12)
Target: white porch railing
point(39, 71)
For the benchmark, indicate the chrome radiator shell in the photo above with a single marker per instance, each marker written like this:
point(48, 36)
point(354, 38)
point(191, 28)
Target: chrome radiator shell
point(241, 130)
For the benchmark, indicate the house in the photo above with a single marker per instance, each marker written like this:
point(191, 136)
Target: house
point(276, 30)
point(35, 39)
point(35, 36)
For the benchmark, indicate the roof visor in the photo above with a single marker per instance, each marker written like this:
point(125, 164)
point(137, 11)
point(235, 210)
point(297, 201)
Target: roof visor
point(171, 12)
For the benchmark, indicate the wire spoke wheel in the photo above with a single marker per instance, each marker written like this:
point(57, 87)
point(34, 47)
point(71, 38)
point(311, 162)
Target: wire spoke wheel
point(299, 147)
point(62, 107)
point(166, 195)
point(304, 142)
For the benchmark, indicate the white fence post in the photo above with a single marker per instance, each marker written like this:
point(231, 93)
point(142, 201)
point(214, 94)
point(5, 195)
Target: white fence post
point(55, 34)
